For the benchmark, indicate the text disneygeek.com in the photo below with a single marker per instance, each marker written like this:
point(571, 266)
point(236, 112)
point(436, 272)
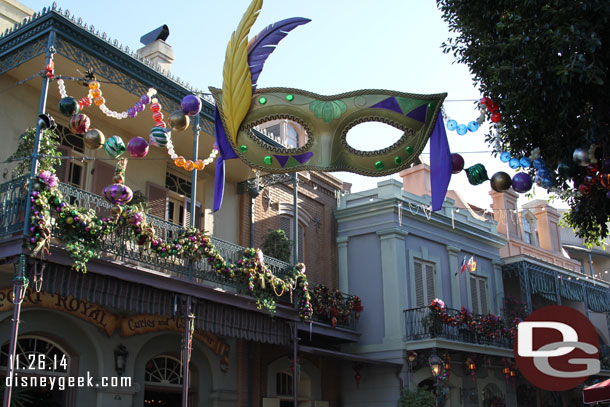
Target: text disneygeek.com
point(63, 382)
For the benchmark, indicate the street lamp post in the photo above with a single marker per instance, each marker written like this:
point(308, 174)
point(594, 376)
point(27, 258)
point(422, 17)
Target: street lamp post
point(437, 365)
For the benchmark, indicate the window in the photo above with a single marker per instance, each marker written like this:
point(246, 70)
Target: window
point(179, 200)
point(165, 370)
point(163, 382)
point(424, 282)
point(527, 230)
point(478, 294)
point(283, 385)
point(71, 171)
point(286, 132)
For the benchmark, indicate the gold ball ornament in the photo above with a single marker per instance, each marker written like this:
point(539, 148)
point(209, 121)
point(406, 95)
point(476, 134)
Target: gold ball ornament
point(179, 121)
point(116, 210)
point(94, 139)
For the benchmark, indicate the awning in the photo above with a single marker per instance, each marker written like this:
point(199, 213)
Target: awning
point(218, 318)
point(598, 393)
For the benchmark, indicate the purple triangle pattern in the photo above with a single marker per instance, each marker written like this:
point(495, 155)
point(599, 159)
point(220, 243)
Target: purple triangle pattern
point(282, 159)
point(419, 114)
point(303, 158)
point(389, 104)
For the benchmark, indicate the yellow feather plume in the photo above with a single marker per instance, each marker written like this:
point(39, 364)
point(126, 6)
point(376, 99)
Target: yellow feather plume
point(237, 82)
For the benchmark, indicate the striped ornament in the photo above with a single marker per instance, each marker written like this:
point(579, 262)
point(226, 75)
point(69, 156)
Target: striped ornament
point(79, 123)
point(114, 146)
point(159, 137)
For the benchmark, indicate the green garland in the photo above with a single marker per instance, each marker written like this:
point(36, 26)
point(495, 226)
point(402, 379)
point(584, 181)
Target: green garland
point(82, 230)
point(329, 303)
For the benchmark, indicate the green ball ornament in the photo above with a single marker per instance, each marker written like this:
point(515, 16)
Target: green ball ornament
point(477, 174)
point(114, 146)
point(567, 168)
point(69, 106)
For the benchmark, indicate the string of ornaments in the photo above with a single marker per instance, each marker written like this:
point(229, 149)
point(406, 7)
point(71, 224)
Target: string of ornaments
point(159, 136)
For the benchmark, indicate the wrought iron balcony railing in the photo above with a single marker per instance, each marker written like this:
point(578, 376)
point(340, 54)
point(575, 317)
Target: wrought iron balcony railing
point(422, 323)
point(348, 323)
point(121, 247)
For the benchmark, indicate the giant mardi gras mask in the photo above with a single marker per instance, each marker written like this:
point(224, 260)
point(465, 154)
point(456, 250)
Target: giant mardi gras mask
point(325, 119)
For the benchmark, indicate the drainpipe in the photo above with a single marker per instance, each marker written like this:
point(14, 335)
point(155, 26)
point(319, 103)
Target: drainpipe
point(20, 282)
point(591, 266)
point(295, 379)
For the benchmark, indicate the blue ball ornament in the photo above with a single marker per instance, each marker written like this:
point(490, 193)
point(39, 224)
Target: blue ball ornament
point(514, 163)
point(525, 162)
point(473, 126)
point(539, 163)
point(522, 182)
point(462, 129)
point(544, 172)
point(505, 157)
point(451, 125)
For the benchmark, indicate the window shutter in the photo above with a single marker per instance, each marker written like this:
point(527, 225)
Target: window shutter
point(157, 199)
point(429, 273)
point(285, 226)
point(474, 295)
point(483, 295)
point(187, 211)
point(419, 284)
point(102, 176)
point(61, 170)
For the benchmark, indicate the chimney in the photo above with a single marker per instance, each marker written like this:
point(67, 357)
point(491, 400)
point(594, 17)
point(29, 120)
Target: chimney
point(547, 219)
point(505, 213)
point(416, 180)
point(156, 49)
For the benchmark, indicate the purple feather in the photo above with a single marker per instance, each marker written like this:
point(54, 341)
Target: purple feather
point(261, 46)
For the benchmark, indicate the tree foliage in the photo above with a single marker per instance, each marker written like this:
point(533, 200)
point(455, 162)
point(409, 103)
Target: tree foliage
point(276, 244)
point(418, 398)
point(49, 141)
point(545, 62)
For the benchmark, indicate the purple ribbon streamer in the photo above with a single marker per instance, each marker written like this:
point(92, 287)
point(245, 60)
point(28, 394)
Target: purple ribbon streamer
point(440, 164)
point(226, 153)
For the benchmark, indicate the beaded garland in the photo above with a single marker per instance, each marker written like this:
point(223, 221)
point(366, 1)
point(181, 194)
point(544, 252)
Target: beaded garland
point(473, 125)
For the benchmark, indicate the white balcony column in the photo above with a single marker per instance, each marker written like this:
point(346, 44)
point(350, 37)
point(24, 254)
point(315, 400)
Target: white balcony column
point(342, 244)
point(454, 276)
point(394, 280)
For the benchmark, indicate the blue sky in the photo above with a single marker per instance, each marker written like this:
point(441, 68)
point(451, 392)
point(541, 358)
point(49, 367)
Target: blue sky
point(348, 45)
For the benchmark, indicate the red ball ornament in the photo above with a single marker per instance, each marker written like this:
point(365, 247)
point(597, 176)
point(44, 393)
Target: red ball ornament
point(157, 116)
point(589, 180)
point(496, 117)
point(457, 163)
point(79, 123)
point(592, 169)
point(585, 188)
point(492, 106)
point(485, 100)
point(155, 107)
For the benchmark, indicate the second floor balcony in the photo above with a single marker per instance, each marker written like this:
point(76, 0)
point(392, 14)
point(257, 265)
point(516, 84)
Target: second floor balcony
point(422, 324)
point(122, 249)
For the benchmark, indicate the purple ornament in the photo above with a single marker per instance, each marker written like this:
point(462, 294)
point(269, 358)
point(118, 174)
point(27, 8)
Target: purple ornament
point(137, 147)
point(138, 106)
point(131, 112)
point(191, 105)
point(457, 163)
point(522, 182)
point(144, 99)
point(118, 194)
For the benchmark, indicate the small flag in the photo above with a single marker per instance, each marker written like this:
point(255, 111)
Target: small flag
point(464, 265)
point(472, 264)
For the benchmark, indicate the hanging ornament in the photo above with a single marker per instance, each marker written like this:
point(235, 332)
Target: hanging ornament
point(117, 193)
point(114, 146)
point(505, 157)
point(94, 139)
point(79, 123)
point(68, 106)
point(137, 147)
point(457, 163)
point(500, 181)
point(581, 157)
point(179, 121)
point(477, 174)
point(190, 105)
point(159, 137)
point(585, 189)
point(522, 182)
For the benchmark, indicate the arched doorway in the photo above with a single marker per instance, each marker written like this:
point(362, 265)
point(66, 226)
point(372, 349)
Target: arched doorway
point(37, 357)
point(163, 382)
